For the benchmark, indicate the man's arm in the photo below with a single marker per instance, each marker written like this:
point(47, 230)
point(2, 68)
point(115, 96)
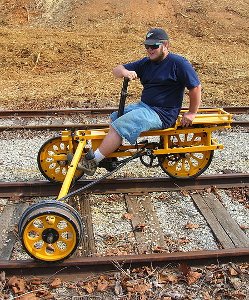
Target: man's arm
point(195, 101)
point(120, 71)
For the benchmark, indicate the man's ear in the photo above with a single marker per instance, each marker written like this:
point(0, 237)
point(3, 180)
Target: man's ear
point(166, 44)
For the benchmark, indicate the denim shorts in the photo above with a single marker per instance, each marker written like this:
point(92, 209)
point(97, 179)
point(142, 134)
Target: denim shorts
point(137, 118)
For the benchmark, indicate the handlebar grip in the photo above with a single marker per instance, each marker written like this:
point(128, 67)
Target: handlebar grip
point(123, 97)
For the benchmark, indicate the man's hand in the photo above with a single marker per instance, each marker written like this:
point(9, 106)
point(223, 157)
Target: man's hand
point(120, 72)
point(131, 75)
point(187, 119)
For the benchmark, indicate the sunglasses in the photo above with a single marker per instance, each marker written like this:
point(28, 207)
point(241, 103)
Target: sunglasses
point(153, 46)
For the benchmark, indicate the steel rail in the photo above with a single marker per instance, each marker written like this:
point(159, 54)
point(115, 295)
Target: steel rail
point(83, 126)
point(91, 111)
point(54, 127)
point(103, 263)
point(125, 185)
point(100, 263)
point(56, 112)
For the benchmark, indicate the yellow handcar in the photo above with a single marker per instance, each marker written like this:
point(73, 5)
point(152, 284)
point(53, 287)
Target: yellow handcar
point(51, 230)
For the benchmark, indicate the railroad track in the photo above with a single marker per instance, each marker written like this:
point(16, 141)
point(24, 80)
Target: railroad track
point(232, 242)
point(121, 185)
point(90, 112)
point(84, 126)
point(149, 245)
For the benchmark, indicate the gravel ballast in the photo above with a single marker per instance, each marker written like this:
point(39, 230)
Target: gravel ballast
point(18, 155)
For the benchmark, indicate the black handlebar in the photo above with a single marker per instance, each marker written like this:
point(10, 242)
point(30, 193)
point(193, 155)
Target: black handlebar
point(123, 97)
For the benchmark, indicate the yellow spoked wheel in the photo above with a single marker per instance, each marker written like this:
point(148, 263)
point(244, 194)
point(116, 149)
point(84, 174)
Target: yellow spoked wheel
point(52, 160)
point(50, 230)
point(189, 164)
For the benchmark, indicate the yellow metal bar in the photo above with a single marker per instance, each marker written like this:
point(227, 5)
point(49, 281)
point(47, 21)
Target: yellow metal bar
point(200, 148)
point(71, 170)
point(209, 138)
point(207, 110)
point(174, 150)
point(184, 130)
point(66, 135)
point(99, 135)
point(60, 157)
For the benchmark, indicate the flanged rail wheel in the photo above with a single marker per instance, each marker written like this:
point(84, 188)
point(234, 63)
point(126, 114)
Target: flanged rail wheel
point(50, 230)
point(55, 170)
point(189, 164)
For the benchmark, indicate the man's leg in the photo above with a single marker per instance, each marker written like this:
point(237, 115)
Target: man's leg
point(109, 144)
point(128, 126)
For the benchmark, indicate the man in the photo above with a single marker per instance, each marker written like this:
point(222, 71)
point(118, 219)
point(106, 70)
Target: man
point(164, 77)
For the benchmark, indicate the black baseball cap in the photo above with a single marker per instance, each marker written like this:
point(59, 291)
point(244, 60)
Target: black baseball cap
point(155, 36)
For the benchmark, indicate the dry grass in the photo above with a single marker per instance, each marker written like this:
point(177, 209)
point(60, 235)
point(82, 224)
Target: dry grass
point(55, 55)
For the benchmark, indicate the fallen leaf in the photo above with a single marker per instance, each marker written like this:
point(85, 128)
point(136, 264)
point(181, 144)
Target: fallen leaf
point(56, 283)
point(236, 268)
point(183, 241)
point(244, 227)
point(109, 239)
point(127, 216)
point(211, 189)
point(185, 193)
point(206, 296)
point(71, 286)
point(184, 268)
point(239, 295)
point(140, 288)
point(191, 226)
point(30, 296)
point(241, 200)
point(102, 284)
point(192, 277)
point(44, 294)
point(232, 272)
point(115, 251)
point(148, 270)
point(89, 287)
point(208, 190)
point(158, 249)
point(164, 278)
point(17, 285)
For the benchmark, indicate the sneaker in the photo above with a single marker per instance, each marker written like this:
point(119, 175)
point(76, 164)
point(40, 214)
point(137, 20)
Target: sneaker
point(88, 163)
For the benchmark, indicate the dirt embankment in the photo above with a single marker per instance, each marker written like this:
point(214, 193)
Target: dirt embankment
point(61, 53)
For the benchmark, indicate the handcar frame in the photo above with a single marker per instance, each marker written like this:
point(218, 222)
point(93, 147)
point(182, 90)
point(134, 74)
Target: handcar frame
point(51, 230)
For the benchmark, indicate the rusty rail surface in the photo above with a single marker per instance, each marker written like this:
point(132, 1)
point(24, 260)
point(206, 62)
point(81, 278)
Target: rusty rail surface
point(83, 126)
point(86, 264)
point(86, 111)
point(122, 185)
point(56, 112)
point(91, 111)
point(104, 263)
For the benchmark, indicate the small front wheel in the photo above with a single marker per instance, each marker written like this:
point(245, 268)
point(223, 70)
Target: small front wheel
point(50, 230)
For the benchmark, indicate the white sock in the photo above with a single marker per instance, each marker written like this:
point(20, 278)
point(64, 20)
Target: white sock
point(98, 155)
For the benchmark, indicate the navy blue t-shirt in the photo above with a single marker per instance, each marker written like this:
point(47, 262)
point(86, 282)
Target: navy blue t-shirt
point(164, 83)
